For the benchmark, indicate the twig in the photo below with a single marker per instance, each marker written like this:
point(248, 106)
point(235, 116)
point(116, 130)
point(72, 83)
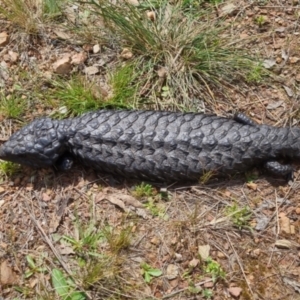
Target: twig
point(57, 255)
point(184, 289)
point(241, 267)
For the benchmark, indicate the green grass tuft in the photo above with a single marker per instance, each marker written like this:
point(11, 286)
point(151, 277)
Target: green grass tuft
point(179, 55)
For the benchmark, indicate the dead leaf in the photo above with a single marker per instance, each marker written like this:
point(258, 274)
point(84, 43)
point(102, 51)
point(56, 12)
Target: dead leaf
point(294, 60)
point(235, 291)
point(252, 186)
point(61, 34)
point(7, 275)
point(289, 91)
point(66, 250)
point(274, 105)
point(204, 251)
point(283, 244)
point(46, 197)
point(79, 58)
point(62, 66)
point(129, 200)
point(2, 189)
point(162, 72)
point(284, 222)
point(269, 63)
point(194, 262)
point(228, 9)
point(4, 39)
point(112, 199)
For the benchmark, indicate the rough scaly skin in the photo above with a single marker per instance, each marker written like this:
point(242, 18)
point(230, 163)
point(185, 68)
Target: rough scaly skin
point(155, 145)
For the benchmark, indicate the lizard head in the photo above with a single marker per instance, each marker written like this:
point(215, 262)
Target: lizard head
point(39, 144)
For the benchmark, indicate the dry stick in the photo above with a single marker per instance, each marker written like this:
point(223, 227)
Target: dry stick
point(184, 289)
point(57, 255)
point(50, 244)
point(241, 267)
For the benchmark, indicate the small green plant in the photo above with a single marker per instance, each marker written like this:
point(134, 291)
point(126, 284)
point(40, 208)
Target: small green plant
point(239, 216)
point(207, 293)
point(33, 267)
point(196, 55)
point(8, 168)
point(214, 269)
point(52, 8)
point(149, 272)
point(123, 82)
point(65, 286)
point(11, 106)
point(117, 240)
point(206, 177)
point(86, 240)
point(260, 20)
point(76, 95)
point(144, 190)
point(256, 73)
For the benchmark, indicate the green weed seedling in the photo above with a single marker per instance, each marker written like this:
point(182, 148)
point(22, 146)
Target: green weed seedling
point(8, 168)
point(239, 216)
point(207, 293)
point(86, 240)
point(260, 20)
point(33, 267)
point(149, 272)
point(65, 287)
point(214, 269)
point(144, 190)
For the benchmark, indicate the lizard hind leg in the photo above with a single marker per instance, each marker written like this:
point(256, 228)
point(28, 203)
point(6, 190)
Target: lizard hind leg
point(276, 168)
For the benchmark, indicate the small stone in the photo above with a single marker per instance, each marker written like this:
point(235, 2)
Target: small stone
point(298, 208)
point(194, 263)
point(126, 53)
point(155, 241)
point(228, 9)
point(162, 72)
point(235, 291)
point(221, 254)
point(284, 222)
point(92, 70)
point(96, 49)
point(293, 229)
point(178, 257)
point(79, 58)
point(208, 282)
point(4, 39)
point(63, 66)
point(172, 271)
point(294, 60)
point(13, 56)
point(151, 15)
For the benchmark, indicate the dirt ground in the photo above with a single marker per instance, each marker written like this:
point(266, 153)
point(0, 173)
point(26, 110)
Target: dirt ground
point(175, 228)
